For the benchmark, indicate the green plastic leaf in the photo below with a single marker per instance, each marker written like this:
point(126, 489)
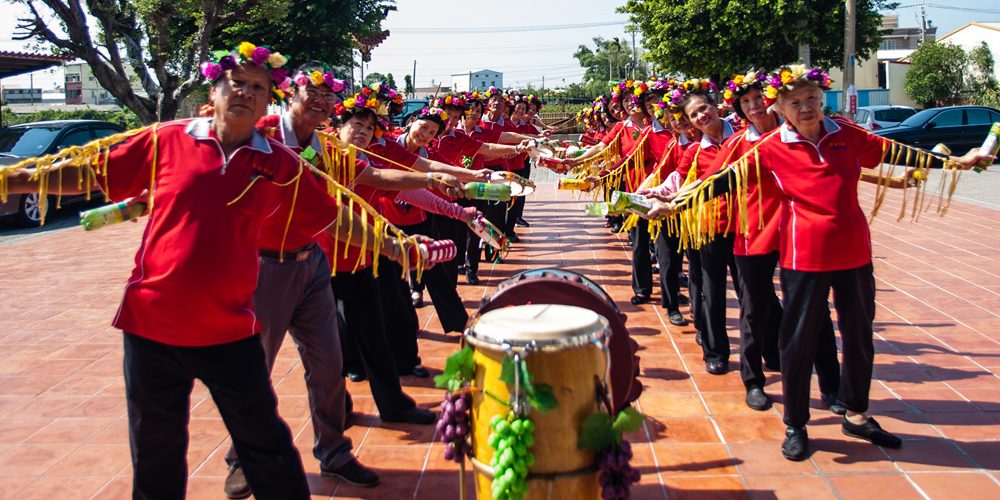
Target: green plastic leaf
point(459, 368)
point(507, 372)
point(627, 420)
point(543, 398)
point(596, 433)
point(526, 379)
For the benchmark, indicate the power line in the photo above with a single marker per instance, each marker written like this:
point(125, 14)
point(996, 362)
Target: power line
point(503, 29)
point(952, 7)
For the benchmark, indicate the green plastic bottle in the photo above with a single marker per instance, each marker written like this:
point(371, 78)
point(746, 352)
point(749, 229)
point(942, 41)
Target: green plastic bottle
point(107, 215)
point(487, 191)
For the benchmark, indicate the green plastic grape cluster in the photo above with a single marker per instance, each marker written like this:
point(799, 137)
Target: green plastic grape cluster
point(511, 440)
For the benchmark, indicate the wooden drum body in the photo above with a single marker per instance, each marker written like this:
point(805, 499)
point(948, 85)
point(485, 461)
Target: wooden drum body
point(563, 346)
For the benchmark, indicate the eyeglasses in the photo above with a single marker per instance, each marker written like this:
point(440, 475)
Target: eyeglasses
point(324, 96)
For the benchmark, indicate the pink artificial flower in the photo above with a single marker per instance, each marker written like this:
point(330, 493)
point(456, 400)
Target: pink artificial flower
point(301, 79)
point(211, 70)
point(260, 55)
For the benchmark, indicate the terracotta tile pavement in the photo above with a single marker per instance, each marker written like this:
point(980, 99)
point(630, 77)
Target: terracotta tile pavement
point(63, 432)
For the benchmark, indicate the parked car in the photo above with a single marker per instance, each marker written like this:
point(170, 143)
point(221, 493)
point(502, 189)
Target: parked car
point(961, 128)
point(876, 117)
point(410, 108)
point(18, 142)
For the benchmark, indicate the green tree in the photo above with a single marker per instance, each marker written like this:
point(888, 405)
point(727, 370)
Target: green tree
point(936, 73)
point(161, 41)
point(717, 38)
point(315, 31)
point(981, 76)
point(374, 77)
point(610, 60)
point(408, 85)
point(389, 79)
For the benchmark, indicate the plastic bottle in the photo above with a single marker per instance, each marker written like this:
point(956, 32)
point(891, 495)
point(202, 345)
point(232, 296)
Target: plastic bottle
point(576, 184)
point(630, 202)
point(991, 144)
point(110, 214)
point(486, 191)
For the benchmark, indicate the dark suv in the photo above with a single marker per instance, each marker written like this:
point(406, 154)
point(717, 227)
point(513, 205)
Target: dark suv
point(18, 142)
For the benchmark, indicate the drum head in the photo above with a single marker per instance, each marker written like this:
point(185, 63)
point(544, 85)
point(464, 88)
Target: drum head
point(519, 186)
point(544, 325)
point(559, 286)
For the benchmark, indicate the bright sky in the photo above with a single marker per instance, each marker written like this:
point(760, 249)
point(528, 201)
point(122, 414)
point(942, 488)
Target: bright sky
point(447, 36)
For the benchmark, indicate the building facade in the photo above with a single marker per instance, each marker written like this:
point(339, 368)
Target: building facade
point(82, 86)
point(476, 80)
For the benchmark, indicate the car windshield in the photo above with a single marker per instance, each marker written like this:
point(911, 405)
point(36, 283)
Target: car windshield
point(894, 114)
point(26, 141)
point(918, 119)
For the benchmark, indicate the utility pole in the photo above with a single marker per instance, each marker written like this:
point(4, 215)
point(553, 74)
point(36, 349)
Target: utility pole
point(543, 82)
point(634, 56)
point(413, 77)
point(804, 50)
point(850, 22)
point(923, 22)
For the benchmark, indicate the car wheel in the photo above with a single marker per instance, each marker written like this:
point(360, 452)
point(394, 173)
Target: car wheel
point(29, 210)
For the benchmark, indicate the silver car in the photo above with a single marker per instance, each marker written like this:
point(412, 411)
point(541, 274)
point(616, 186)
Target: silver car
point(18, 142)
point(877, 117)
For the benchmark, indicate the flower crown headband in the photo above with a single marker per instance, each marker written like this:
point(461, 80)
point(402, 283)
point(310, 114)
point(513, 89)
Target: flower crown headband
point(684, 89)
point(786, 78)
point(378, 97)
point(435, 111)
point(317, 78)
point(740, 84)
point(494, 91)
point(620, 89)
point(458, 101)
point(223, 60)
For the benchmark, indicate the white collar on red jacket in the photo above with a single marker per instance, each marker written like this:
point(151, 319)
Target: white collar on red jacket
point(788, 134)
point(707, 142)
point(288, 134)
point(200, 129)
point(421, 151)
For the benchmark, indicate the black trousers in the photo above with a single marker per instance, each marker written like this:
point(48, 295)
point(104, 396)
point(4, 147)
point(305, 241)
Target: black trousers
point(364, 341)
point(158, 383)
point(642, 267)
point(493, 211)
point(517, 204)
point(805, 303)
point(695, 287)
point(669, 261)
point(715, 258)
point(760, 319)
point(401, 323)
point(441, 283)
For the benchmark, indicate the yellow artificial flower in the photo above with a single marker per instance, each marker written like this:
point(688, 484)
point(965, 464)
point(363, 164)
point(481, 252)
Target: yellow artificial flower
point(728, 94)
point(279, 93)
point(350, 102)
point(771, 93)
point(637, 91)
point(444, 116)
point(738, 79)
point(246, 49)
point(276, 60)
point(372, 103)
point(316, 77)
point(786, 76)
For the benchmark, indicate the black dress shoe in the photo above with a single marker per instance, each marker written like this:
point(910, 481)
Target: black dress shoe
point(757, 400)
point(796, 445)
point(417, 298)
point(354, 473)
point(639, 299)
point(513, 238)
point(471, 277)
point(872, 432)
point(716, 367)
point(677, 319)
point(236, 483)
point(521, 222)
point(420, 372)
point(683, 279)
point(833, 405)
point(356, 376)
point(412, 416)
point(616, 227)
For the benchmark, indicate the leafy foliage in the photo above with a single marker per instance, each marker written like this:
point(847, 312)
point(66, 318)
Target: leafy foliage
point(599, 431)
point(458, 369)
point(935, 74)
point(610, 60)
point(539, 396)
point(717, 38)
